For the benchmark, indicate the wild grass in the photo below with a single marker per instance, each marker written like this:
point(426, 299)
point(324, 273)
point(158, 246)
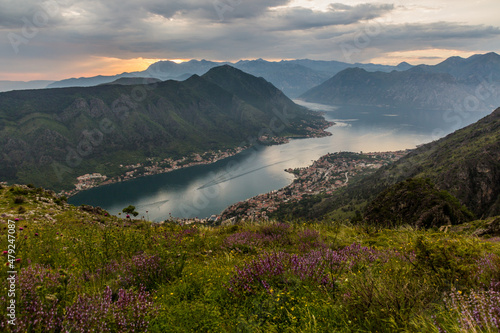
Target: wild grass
point(81, 271)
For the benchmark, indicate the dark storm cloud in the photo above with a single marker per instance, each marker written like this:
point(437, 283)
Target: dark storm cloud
point(129, 13)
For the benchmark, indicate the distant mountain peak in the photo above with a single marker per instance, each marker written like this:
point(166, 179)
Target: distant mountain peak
point(354, 70)
point(488, 55)
point(453, 61)
point(404, 65)
point(226, 68)
point(127, 81)
point(492, 56)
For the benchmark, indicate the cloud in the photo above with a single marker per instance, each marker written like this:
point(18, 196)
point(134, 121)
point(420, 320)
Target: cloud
point(212, 9)
point(12, 12)
point(16, 14)
point(123, 13)
point(220, 30)
point(299, 18)
point(375, 40)
point(419, 35)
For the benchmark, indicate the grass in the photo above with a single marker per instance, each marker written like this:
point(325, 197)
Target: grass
point(83, 270)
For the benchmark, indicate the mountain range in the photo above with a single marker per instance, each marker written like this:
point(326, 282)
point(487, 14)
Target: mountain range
point(471, 84)
point(51, 136)
point(293, 77)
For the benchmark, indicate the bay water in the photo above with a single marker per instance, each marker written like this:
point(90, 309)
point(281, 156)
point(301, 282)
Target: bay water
point(203, 190)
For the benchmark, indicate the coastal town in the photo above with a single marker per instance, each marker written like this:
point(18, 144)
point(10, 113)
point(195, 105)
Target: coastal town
point(327, 174)
point(153, 167)
point(150, 167)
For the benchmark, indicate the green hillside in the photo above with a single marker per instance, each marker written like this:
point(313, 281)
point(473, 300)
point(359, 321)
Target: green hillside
point(418, 203)
point(82, 270)
point(49, 137)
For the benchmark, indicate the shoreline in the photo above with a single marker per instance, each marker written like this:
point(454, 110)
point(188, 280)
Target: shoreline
point(94, 180)
point(155, 170)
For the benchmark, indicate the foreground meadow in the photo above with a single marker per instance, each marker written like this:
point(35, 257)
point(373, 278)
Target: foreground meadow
point(82, 270)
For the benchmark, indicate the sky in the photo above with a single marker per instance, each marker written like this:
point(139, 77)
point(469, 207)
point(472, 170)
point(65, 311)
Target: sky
point(57, 39)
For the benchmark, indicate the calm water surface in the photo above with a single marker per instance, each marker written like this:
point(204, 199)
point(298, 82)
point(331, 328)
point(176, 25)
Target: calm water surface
point(201, 191)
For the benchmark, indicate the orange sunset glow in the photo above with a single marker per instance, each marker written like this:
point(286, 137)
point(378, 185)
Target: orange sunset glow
point(112, 66)
point(92, 66)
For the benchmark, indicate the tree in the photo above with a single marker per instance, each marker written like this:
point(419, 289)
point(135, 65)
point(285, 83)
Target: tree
point(130, 210)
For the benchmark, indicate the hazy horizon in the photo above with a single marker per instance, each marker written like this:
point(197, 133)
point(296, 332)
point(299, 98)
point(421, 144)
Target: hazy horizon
point(178, 61)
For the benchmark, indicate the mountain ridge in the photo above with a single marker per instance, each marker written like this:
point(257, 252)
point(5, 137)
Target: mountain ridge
point(95, 129)
point(454, 84)
point(293, 77)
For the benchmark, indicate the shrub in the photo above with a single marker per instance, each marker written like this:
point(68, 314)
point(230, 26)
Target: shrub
point(42, 296)
point(19, 200)
point(16, 190)
point(447, 261)
point(316, 268)
point(309, 239)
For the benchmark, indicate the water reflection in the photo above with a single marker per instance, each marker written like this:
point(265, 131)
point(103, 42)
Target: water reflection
point(203, 190)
